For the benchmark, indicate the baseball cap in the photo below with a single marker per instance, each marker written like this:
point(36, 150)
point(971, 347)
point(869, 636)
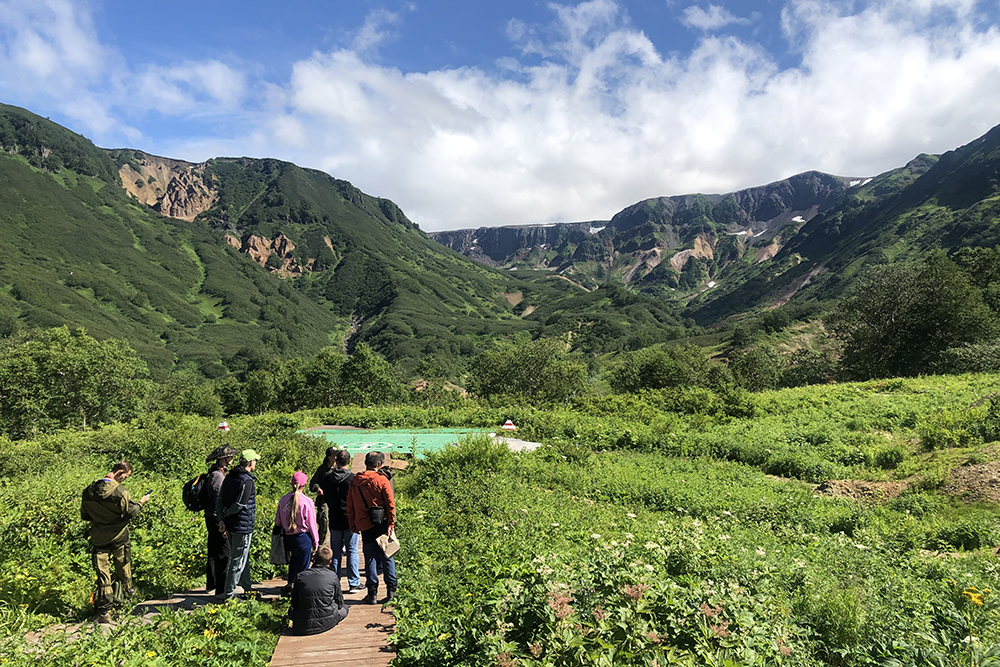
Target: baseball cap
point(249, 455)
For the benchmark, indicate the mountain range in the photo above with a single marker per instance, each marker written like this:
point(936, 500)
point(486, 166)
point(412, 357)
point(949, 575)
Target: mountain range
point(221, 265)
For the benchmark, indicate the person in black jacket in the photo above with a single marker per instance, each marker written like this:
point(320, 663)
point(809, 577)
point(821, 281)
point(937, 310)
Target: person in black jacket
point(218, 541)
point(317, 601)
point(315, 486)
point(335, 485)
point(236, 508)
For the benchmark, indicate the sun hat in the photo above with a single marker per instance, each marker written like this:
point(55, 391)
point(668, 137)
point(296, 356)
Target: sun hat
point(249, 455)
point(221, 452)
point(299, 478)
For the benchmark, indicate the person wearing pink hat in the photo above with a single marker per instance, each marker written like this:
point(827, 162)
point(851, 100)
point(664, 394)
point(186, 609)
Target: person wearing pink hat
point(296, 518)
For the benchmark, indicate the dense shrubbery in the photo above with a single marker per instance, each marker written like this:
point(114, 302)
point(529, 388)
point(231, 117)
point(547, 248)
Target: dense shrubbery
point(562, 557)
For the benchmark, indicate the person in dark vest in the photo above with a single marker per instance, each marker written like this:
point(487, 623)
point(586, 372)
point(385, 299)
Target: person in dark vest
point(370, 489)
point(336, 485)
point(218, 543)
point(316, 486)
point(236, 508)
point(109, 509)
point(317, 601)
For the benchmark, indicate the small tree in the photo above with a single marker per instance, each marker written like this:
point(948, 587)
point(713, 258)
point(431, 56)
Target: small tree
point(57, 379)
point(899, 318)
point(659, 368)
point(539, 370)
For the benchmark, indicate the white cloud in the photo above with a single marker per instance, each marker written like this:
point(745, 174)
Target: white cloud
point(606, 120)
point(713, 18)
point(591, 117)
point(185, 87)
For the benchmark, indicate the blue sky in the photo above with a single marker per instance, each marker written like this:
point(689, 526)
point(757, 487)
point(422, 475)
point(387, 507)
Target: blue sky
point(471, 114)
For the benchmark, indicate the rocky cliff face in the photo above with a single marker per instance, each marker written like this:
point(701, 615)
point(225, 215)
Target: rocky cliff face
point(714, 230)
point(175, 188)
point(523, 246)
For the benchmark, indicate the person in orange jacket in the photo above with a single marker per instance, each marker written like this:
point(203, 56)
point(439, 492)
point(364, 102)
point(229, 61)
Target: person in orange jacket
point(371, 511)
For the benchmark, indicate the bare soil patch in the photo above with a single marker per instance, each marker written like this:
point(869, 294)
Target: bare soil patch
point(871, 492)
point(976, 483)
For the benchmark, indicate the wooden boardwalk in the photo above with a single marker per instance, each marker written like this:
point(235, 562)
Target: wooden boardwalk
point(360, 640)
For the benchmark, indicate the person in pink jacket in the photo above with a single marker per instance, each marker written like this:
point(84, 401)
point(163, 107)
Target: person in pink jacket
point(297, 519)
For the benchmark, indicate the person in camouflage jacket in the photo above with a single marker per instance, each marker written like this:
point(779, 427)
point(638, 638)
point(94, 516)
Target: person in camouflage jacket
point(109, 509)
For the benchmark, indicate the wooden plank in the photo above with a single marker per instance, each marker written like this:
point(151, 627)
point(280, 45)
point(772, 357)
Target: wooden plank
point(360, 640)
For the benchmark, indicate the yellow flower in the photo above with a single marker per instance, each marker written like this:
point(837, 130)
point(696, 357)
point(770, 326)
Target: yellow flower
point(209, 632)
point(150, 654)
point(974, 598)
point(212, 610)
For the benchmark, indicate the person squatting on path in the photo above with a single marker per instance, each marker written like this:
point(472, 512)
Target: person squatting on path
point(316, 486)
point(109, 509)
point(317, 601)
point(236, 508)
point(217, 563)
point(336, 485)
point(296, 516)
point(370, 496)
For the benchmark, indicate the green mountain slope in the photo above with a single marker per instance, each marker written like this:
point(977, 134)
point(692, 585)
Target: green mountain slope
point(224, 264)
point(75, 250)
point(945, 202)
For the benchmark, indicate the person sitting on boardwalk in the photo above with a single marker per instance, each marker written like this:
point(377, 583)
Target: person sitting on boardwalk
point(317, 601)
point(297, 517)
point(371, 510)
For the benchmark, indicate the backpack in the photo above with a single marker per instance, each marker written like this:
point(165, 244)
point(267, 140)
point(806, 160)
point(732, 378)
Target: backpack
point(195, 493)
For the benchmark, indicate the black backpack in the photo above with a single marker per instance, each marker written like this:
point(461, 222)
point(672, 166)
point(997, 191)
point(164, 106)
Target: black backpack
point(195, 493)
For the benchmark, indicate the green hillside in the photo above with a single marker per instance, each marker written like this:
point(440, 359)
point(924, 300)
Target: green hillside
point(74, 250)
point(264, 259)
point(933, 203)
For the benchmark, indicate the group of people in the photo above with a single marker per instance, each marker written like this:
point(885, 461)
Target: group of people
point(348, 506)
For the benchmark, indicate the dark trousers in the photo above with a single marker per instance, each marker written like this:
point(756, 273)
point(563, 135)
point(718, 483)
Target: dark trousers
point(376, 561)
point(300, 547)
point(218, 557)
point(322, 522)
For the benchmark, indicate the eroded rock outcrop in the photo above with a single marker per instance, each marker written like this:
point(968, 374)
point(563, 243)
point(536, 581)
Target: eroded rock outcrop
point(175, 188)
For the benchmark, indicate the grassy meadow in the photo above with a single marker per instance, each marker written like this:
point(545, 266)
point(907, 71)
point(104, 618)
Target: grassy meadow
point(668, 527)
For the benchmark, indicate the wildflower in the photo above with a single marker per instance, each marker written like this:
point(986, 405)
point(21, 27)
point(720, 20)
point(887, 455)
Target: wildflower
point(536, 649)
point(554, 525)
point(599, 613)
point(652, 545)
point(150, 654)
point(662, 523)
point(212, 610)
point(506, 660)
point(973, 595)
point(721, 630)
point(760, 552)
point(210, 633)
point(710, 611)
point(653, 636)
point(635, 591)
point(630, 515)
point(595, 536)
point(727, 512)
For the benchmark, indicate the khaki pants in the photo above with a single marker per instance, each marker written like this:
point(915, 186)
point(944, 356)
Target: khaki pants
point(112, 589)
point(323, 524)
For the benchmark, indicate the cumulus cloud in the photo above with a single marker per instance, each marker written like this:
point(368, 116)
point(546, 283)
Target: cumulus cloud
point(584, 118)
point(713, 18)
point(605, 119)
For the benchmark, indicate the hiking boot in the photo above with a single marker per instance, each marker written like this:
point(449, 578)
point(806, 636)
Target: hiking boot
point(356, 589)
point(104, 618)
point(390, 595)
point(370, 598)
